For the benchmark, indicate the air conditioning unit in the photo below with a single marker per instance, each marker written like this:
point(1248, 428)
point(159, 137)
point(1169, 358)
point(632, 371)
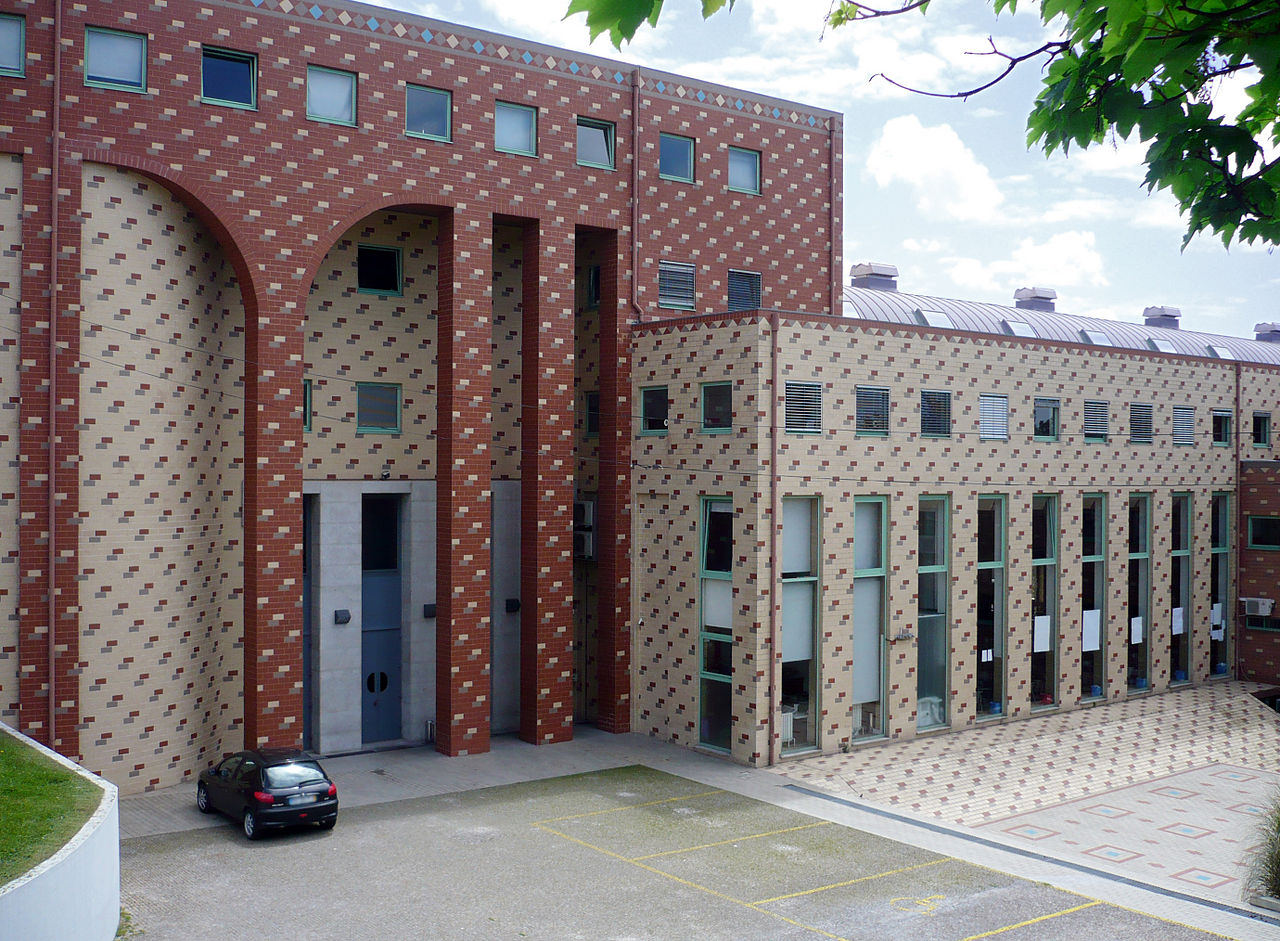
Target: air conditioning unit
point(1258, 607)
point(584, 544)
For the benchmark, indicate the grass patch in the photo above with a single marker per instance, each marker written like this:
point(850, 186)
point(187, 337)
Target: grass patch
point(42, 805)
point(1264, 865)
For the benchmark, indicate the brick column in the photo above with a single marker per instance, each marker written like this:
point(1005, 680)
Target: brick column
point(546, 483)
point(464, 385)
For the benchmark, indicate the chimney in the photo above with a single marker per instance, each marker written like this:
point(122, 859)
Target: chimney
point(1267, 332)
point(1034, 298)
point(1166, 317)
point(873, 274)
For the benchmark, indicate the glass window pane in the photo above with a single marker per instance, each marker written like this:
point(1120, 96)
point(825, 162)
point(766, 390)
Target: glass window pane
point(229, 77)
point(718, 555)
point(378, 269)
point(717, 407)
point(1046, 418)
point(653, 410)
point(744, 170)
point(1264, 532)
point(797, 537)
point(115, 58)
point(717, 604)
point(514, 128)
point(1094, 530)
point(675, 157)
point(868, 531)
point(595, 143)
point(427, 112)
point(378, 406)
point(989, 525)
point(933, 533)
point(331, 95)
point(11, 41)
point(1043, 534)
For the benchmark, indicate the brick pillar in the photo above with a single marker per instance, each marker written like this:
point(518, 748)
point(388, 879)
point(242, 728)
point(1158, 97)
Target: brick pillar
point(614, 523)
point(546, 483)
point(464, 385)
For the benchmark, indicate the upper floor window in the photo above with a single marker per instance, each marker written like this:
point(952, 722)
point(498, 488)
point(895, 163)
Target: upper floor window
point(592, 417)
point(1264, 532)
point(1261, 429)
point(935, 414)
point(13, 56)
point(803, 407)
point(114, 59)
point(717, 406)
point(595, 143)
point(993, 417)
point(1096, 337)
point(872, 411)
point(675, 157)
point(1221, 426)
point(1141, 425)
point(1045, 419)
point(331, 95)
point(378, 407)
point(428, 112)
point(306, 404)
point(1097, 420)
point(744, 290)
point(228, 78)
point(378, 270)
point(653, 410)
point(515, 129)
point(675, 285)
point(744, 170)
point(1184, 424)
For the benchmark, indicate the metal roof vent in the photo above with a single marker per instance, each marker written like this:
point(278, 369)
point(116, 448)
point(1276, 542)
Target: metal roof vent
point(1267, 332)
point(1035, 298)
point(874, 274)
point(1166, 317)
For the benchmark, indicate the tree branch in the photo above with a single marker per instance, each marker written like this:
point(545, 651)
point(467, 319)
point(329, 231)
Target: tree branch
point(1050, 49)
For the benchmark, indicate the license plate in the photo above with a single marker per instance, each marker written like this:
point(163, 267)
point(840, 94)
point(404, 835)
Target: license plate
point(302, 799)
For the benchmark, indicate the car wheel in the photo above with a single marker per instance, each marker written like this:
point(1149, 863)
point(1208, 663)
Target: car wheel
point(328, 824)
point(251, 825)
point(202, 799)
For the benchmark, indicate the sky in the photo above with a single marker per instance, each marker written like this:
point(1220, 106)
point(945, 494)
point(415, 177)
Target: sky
point(946, 190)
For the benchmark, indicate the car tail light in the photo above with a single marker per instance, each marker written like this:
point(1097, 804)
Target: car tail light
point(262, 797)
point(333, 790)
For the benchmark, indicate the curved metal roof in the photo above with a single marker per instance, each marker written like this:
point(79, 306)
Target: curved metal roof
point(895, 307)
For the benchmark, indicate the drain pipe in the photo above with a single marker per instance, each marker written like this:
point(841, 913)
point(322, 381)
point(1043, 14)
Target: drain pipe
point(834, 276)
point(1240, 523)
point(636, 82)
point(54, 302)
point(774, 562)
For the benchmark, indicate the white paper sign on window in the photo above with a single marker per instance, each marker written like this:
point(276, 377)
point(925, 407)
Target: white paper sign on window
point(1215, 614)
point(1040, 640)
point(1091, 631)
point(1178, 627)
point(1135, 630)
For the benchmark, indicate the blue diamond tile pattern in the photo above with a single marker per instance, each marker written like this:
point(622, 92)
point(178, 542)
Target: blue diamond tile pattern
point(617, 77)
point(478, 46)
point(315, 11)
point(573, 67)
point(662, 87)
point(527, 58)
point(427, 35)
point(702, 96)
point(373, 25)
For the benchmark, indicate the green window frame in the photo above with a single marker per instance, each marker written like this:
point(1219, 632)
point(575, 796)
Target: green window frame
point(675, 158)
point(1093, 574)
point(373, 263)
point(319, 75)
point(1044, 598)
point(306, 404)
point(512, 138)
point(717, 408)
point(596, 143)
point(933, 612)
point(715, 641)
point(424, 118)
point(1046, 425)
point(1262, 429)
point(1180, 539)
point(744, 171)
point(1264, 533)
point(371, 402)
point(232, 58)
point(992, 579)
point(870, 581)
point(655, 408)
point(1220, 545)
point(1139, 588)
point(13, 45)
point(1222, 427)
point(99, 42)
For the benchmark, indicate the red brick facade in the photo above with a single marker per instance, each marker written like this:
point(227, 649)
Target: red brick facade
point(1258, 650)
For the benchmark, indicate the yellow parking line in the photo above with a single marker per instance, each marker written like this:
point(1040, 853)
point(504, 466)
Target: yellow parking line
point(839, 885)
point(614, 810)
point(1032, 921)
point(739, 839)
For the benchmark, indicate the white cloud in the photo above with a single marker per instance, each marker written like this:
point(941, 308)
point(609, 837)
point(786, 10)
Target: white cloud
point(948, 180)
point(1066, 259)
point(931, 246)
point(1122, 158)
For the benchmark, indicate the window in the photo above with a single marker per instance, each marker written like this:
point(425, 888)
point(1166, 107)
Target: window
point(428, 112)
point(993, 417)
point(1045, 419)
point(306, 404)
point(870, 570)
point(13, 55)
point(229, 78)
point(1139, 669)
point(800, 540)
point(1020, 328)
point(872, 411)
point(744, 170)
point(1184, 424)
point(592, 299)
point(1140, 423)
point(675, 285)
point(716, 616)
point(515, 129)
point(1096, 337)
point(1264, 532)
point(717, 406)
point(744, 290)
point(378, 270)
point(1097, 421)
point(675, 158)
point(115, 60)
point(1180, 589)
point(935, 318)
point(935, 414)
point(653, 411)
point(1219, 583)
point(1093, 596)
point(1163, 346)
point(1221, 427)
point(1044, 600)
point(991, 605)
point(595, 143)
point(803, 407)
point(378, 407)
point(591, 421)
point(331, 95)
point(1261, 429)
point(932, 589)
point(1221, 352)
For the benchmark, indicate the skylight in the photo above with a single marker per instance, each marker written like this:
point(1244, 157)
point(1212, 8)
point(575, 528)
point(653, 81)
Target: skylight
point(1221, 352)
point(1164, 346)
point(1096, 337)
point(1020, 328)
point(935, 318)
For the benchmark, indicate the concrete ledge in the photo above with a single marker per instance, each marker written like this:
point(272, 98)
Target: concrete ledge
point(75, 893)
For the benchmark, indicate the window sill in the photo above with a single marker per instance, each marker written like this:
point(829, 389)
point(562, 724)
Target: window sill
point(135, 89)
point(418, 135)
point(596, 166)
point(218, 102)
point(716, 431)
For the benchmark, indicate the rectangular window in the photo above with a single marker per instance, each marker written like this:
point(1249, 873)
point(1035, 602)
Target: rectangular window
point(1184, 424)
point(869, 574)
point(1261, 429)
point(675, 285)
point(800, 539)
point(653, 410)
point(872, 411)
point(1219, 584)
point(595, 143)
point(592, 299)
point(1046, 419)
point(1093, 596)
point(331, 95)
point(993, 417)
point(1097, 421)
point(744, 170)
point(675, 157)
point(935, 414)
point(744, 290)
point(1180, 589)
point(1141, 425)
point(932, 591)
point(991, 606)
point(715, 707)
point(1221, 427)
point(378, 407)
point(428, 112)
point(717, 407)
point(1044, 600)
point(1264, 532)
point(306, 404)
point(515, 129)
point(378, 270)
point(115, 60)
point(1139, 668)
point(13, 42)
point(228, 78)
point(591, 420)
point(803, 407)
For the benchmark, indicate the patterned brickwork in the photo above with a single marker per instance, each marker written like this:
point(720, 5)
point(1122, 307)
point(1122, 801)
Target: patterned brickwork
point(1258, 651)
point(10, 300)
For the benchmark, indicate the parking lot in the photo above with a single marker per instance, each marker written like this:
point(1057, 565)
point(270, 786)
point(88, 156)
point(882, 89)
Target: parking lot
point(626, 853)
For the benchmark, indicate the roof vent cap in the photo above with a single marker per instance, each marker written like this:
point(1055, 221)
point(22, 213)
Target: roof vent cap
point(1166, 317)
point(1267, 332)
point(874, 274)
point(1035, 298)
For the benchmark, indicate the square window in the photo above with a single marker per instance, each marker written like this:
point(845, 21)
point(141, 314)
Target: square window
point(515, 129)
point(1261, 429)
point(428, 112)
point(1264, 532)
point(744, 290)
point(803, 413)
point(1046, 419)
point(306, 404)
point(378, 270)
point(935, 414)
point(993, 417)
point(675, 157)
point(744, 170)
point(228, 78)
point(378, 407)
point(592, 422)
point(1097, 421)
point(872, 411)
point(1141, 425)
point(675, 285)
point(331, 95)
point(717, 406)
point(115, 60)
point(595, 143)
point(13, 55)
point(1221, 427)
point(653, 411)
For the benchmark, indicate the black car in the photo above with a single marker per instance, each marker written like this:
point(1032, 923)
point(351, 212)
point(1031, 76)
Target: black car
point(269, 788)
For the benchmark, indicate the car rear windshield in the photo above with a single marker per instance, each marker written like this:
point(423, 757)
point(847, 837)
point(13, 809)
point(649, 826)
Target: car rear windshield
point(293, 774)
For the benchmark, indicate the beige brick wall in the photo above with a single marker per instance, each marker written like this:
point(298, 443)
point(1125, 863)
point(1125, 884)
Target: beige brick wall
point(10, 297)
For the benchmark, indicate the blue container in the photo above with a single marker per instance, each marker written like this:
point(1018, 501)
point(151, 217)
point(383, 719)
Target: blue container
point(1179, 676)
point(995, 709)
point(1095, 691)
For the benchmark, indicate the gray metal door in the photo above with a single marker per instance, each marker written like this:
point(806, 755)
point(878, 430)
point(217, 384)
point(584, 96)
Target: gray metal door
point(380, 607)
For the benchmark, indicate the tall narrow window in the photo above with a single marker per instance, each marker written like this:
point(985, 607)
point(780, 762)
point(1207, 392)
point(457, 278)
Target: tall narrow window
point(744, 290)
point(933, 589)
point(1261, 429)
point(1222, 427)
point(306, 404)
point(331, 95)
point(1220, 584)
point(716, 635)
point(653, 410)
point(803, 407)
point(1180, 589)
point(1184, 425)
point(993, 417)
point(869, 572)
point(1093, 596)
point(591, 422)
point(1097, 421)
point(1044, 600)
point(1139, 673)
point(799, 623)
point(935, 414)
point(872, 411)
point(1140, 423)
point(717, 407)
point(1046, 419)
point(991, 605)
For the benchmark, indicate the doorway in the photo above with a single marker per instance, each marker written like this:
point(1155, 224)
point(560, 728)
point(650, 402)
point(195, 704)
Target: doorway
point(380, 611)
